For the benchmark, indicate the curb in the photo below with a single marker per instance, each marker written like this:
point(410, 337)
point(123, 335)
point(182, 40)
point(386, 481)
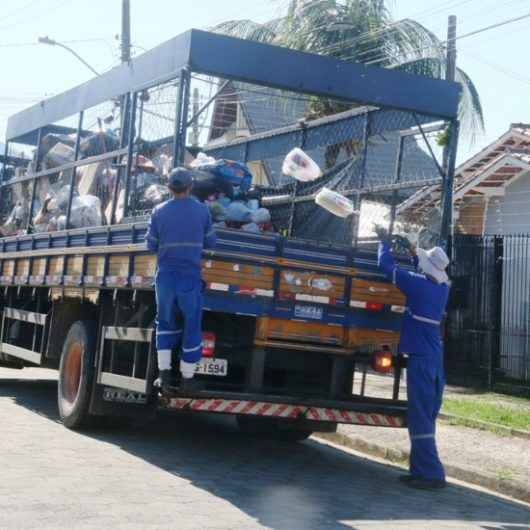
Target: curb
point(396, 456)
point(485, 425)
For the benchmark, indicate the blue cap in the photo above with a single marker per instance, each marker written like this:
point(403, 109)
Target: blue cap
point(180, 179)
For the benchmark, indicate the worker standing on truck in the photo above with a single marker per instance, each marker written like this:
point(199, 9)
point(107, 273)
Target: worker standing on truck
point(178, 231)
point(427, 291)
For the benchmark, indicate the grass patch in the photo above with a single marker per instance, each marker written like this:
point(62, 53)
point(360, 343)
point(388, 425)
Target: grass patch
point(506, 412)
point(504, 474)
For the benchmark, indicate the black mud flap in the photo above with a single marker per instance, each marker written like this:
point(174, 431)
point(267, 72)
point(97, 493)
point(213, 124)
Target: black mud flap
point(108, 401)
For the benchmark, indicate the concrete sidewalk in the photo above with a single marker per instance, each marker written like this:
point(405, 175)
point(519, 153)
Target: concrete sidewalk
point(494, 461)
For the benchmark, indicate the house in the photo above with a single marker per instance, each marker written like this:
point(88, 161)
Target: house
point(241, 110)
point(492, 189)
point(492, 198)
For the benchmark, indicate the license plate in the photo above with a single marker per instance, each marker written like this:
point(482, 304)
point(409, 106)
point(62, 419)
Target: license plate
point(218, 367)
point(308, 312)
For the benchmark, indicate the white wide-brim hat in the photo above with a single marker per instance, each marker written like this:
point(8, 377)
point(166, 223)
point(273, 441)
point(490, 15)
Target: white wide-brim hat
point(433, 263)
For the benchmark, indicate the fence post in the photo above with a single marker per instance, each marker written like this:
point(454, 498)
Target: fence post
point(29, 224)
point(498, 244)
point(181, 118)
point(446, 228)
point(358, 197)
point(130, 150)
point(303, 128)
point(73, 177)
point(397, 178)
point(4, 165)
point(124, 135)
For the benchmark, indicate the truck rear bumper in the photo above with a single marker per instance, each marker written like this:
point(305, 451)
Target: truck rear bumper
point(376, 413)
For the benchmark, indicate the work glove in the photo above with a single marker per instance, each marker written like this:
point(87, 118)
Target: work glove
point(382, 233)
point(402, 244)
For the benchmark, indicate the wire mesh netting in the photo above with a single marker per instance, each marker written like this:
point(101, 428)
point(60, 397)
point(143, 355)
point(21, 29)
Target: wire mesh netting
point(376, 159)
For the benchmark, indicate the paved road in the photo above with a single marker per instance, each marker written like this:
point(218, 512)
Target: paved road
point(199, 473)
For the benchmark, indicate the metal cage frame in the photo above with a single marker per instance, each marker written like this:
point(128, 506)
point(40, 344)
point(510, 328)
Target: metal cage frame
point(421, 99)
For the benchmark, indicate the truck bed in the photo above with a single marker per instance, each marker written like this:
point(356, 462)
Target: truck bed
point(293, 319)
point(289, 284)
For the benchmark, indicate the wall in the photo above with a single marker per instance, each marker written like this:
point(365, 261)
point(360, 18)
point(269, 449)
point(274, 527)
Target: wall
point(510, 214)
point(470, 219)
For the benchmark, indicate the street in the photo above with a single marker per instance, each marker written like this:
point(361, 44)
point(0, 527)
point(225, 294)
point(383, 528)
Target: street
point(200, 473)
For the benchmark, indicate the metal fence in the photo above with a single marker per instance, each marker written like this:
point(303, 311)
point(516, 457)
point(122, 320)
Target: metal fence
point(488, 325)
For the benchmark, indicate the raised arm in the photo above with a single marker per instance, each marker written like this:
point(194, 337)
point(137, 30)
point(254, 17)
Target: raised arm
point(403, 279)
point(386, 261)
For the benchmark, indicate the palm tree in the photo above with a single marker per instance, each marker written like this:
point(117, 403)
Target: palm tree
point(362, 31)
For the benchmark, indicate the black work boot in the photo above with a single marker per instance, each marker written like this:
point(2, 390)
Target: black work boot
point(425, 484)
point(189, 385)
point(163, 382)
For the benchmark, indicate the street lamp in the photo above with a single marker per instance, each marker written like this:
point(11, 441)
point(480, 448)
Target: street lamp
point(51, 42)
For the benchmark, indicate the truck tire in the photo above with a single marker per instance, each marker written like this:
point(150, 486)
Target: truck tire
point(271, 428)
point(76, 373)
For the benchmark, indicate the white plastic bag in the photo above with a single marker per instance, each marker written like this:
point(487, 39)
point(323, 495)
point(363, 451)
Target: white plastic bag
point(334, 202)
point(86, 211)
point(202, 160)
point(300, 166)
point(261, 216)
point(251, 227)
point(238, 212)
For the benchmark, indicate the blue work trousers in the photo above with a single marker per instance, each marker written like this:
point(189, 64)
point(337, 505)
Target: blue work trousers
point(425, 385)
point(179, 315)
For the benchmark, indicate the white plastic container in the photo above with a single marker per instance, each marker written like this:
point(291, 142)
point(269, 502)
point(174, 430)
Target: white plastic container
point(300, 166)
point(202, 160)
point(335, 203)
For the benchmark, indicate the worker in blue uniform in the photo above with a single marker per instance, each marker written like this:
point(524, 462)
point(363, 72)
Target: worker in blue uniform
point(426, 291)
point(178, 231)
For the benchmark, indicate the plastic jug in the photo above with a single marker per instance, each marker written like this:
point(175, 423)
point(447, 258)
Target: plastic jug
point(300, 166)
point(334, 202)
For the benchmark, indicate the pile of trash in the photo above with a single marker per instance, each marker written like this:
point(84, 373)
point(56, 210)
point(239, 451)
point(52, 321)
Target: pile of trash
point(51, 215)
point(225, 186)
point(14, 205)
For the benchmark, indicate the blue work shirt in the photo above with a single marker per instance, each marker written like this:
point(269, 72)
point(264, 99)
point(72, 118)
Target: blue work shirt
point(178, 231)
point(426, 303)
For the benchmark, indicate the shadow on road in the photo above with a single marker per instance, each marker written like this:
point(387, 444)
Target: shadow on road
point(284, 487)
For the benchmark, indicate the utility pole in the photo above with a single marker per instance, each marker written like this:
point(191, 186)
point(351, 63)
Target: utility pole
point(450, 71)
point(125, 31)
point(449, 154)
point(125, 46)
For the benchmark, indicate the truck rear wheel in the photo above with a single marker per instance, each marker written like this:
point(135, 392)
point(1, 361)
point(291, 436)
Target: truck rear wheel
point(272, 428)
point(76, 373)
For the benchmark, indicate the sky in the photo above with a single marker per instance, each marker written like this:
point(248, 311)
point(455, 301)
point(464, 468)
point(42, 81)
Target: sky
point(498, 61)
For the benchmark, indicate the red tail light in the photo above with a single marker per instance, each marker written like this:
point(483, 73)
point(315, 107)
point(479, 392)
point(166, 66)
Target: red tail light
point(208, 344)
point(382, 361)
point(374, 306)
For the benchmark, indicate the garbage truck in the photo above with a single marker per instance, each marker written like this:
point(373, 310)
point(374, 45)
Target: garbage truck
point(297, 316)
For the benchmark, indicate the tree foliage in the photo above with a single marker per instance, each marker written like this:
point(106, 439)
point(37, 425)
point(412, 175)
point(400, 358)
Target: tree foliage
point(362, 31)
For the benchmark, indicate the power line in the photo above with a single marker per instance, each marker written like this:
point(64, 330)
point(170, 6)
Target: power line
point(366, 36)
point(459, 37)
point(493, 26)
point(36, 15)
point(74, 41)
point(499, 68)
point(441, 43)
point(371, 34)
point(20, 9)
